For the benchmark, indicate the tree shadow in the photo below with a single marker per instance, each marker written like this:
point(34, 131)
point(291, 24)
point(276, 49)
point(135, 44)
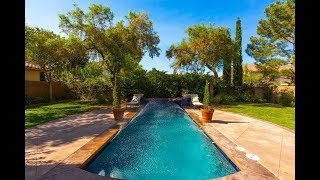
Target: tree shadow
point(226, 122)
point(47, 140)
point(69, 129)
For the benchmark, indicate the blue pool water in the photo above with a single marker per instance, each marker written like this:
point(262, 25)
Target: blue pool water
point(162, 142)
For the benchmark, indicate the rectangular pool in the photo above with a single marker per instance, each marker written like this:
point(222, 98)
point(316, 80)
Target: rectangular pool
point(161, 142)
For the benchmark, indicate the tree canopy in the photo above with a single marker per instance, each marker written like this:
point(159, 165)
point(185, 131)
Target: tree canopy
point(204, 45)
point(44, 48)
point(276, 33)
point(53, 53)
point(119, 45)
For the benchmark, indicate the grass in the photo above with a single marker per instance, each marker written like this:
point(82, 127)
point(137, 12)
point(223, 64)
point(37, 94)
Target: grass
point(274, 113)
point(41, 114)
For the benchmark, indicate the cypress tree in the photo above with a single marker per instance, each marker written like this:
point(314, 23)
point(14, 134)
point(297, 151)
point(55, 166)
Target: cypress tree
point(115, 94)
point(237, 60)
point(206, 96)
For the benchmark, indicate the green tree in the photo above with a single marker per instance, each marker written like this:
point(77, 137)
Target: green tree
point(289, 73)
point(76, 54)
point(120, 45)
point(133, 82)
point(237, 60)
point(206, 96)
point(270, 69)
point(205, 45)
point(53, 53)
point(250, 77)
point(86, 82)
point(276, 33)
point(45, 49)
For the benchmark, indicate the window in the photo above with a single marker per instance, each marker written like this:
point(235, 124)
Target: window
point(42, 76)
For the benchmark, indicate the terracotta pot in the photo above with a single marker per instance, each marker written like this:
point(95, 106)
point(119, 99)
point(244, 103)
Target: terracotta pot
point(118, 113)
point(207, 114)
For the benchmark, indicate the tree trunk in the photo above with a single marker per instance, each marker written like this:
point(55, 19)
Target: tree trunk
point(50, 87)
point(211, 92)
point(215, 73)
point(213, 86)
point(112, 78)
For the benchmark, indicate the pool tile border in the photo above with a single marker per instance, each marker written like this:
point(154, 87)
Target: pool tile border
point(249, 169)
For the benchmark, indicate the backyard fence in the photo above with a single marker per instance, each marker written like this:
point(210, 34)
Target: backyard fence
point(41, 89)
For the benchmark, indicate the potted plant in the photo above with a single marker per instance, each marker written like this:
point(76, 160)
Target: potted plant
point(117, 110)
point(207, 109)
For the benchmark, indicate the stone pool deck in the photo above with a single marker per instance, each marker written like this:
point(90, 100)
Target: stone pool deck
point(274, 145)
point(48, 144)
point(53, 150)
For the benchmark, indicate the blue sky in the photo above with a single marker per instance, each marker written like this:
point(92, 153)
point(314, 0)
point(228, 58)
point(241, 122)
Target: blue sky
point(170, 18)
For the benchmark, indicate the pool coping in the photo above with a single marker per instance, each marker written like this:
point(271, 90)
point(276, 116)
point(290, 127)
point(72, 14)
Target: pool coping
point(249, 169)
point(71, 167)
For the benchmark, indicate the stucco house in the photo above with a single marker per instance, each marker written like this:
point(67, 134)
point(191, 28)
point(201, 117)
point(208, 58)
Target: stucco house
point(282, 80)
point(33, 72)
point(36, 85)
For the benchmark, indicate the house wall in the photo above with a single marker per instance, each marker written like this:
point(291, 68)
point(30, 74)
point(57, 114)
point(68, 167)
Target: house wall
point(32, 75)
point(41, 88)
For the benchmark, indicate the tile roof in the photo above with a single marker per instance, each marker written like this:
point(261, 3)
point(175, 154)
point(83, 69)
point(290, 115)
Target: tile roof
point(32, 65)
point(252, 67)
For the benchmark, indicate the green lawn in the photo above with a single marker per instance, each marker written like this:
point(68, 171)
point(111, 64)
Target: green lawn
point(41, 114)
point(277, 114)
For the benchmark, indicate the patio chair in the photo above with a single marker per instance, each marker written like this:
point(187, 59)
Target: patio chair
point(195, 100)
point(135, 100)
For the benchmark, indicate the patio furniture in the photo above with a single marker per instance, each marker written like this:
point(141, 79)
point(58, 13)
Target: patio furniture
point(135, 100)
point(195, 100)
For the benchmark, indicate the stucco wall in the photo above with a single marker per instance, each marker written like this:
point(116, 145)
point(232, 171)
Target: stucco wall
point(32, 75)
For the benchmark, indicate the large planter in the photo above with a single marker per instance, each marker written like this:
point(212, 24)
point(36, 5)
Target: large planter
point(207, 115)
point(118, 113)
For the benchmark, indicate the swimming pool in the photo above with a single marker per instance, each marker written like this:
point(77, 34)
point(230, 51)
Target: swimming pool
point(161, 142)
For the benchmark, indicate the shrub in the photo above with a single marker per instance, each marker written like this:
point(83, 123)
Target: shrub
point(30, 100)
point(286, 99)
point(268, 95)
point(246, 97)
point(102, 100)
point(258, 99)
point(157, 84)
point(85, 82)
point(224, 99)
point(217, 99)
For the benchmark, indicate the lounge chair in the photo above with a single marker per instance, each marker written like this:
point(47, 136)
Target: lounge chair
point(195, 100)
point(135, 100)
